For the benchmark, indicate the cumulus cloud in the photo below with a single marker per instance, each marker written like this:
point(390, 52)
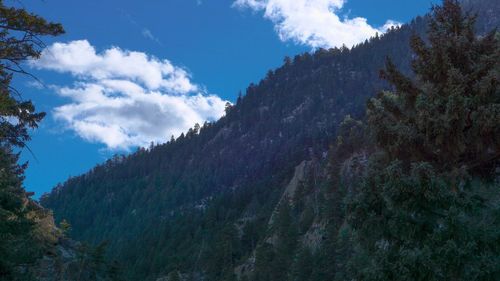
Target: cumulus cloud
point(123, 98)
point(314, 22)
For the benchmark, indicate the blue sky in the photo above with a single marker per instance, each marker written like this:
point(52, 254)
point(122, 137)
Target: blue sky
point(206, 51)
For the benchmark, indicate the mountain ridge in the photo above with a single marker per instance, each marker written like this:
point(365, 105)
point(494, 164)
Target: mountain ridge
point(248, 156)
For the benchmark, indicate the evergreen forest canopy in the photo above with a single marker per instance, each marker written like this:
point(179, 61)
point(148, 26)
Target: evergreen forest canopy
point(311, 175)
point(302, 181)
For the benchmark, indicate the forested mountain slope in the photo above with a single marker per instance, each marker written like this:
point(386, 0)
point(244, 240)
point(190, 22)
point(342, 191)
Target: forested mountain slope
point(210, 204)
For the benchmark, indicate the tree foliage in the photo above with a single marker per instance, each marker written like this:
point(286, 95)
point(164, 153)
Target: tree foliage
point(427, 209)
point(210, 203)
point(449, 114)
point(20, 33)
point(177, 198)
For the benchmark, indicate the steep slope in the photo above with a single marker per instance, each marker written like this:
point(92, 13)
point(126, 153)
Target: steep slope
point(290, 116)
point(208, 202)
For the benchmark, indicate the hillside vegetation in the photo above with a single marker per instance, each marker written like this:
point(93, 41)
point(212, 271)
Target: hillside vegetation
point(312, 175)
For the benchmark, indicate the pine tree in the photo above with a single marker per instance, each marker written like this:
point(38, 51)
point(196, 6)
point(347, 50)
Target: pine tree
point(449, 114)
point(20, 33)
point(286, 232)
point(19, 41)
point(264, 258)
point(303, 265)
point(427, 207)
point(16, 242)
point(65, 227)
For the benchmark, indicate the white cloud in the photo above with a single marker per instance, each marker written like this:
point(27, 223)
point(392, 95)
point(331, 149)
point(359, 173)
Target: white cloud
point(149, 35)
point(123, 98)
point(314, 22)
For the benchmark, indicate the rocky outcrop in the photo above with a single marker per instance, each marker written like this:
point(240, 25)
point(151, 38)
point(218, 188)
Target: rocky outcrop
point(69, 260)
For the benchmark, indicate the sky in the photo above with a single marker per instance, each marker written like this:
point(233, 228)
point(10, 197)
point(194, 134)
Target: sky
point(128, 72)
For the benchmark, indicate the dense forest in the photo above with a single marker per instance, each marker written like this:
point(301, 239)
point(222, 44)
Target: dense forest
point(328, 169)
point(168, 207)
point(377, 162)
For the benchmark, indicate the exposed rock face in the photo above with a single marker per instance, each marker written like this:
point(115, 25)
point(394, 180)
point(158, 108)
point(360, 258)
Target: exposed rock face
point(313, 236)
point(69, 260)
point(61, 263)
point(290, 190)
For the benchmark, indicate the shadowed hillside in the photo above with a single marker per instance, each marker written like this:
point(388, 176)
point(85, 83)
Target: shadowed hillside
point(209, 204)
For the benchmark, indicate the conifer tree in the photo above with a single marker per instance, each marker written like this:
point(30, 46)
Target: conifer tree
point(20, 33)
point(449, 114)
point(19, 41)
point(427, 208)
point(264, 258)
point(286, 232)
point(303, 265)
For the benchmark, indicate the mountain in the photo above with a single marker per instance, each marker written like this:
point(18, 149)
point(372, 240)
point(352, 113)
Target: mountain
point(253, 195)
point(146, 204)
